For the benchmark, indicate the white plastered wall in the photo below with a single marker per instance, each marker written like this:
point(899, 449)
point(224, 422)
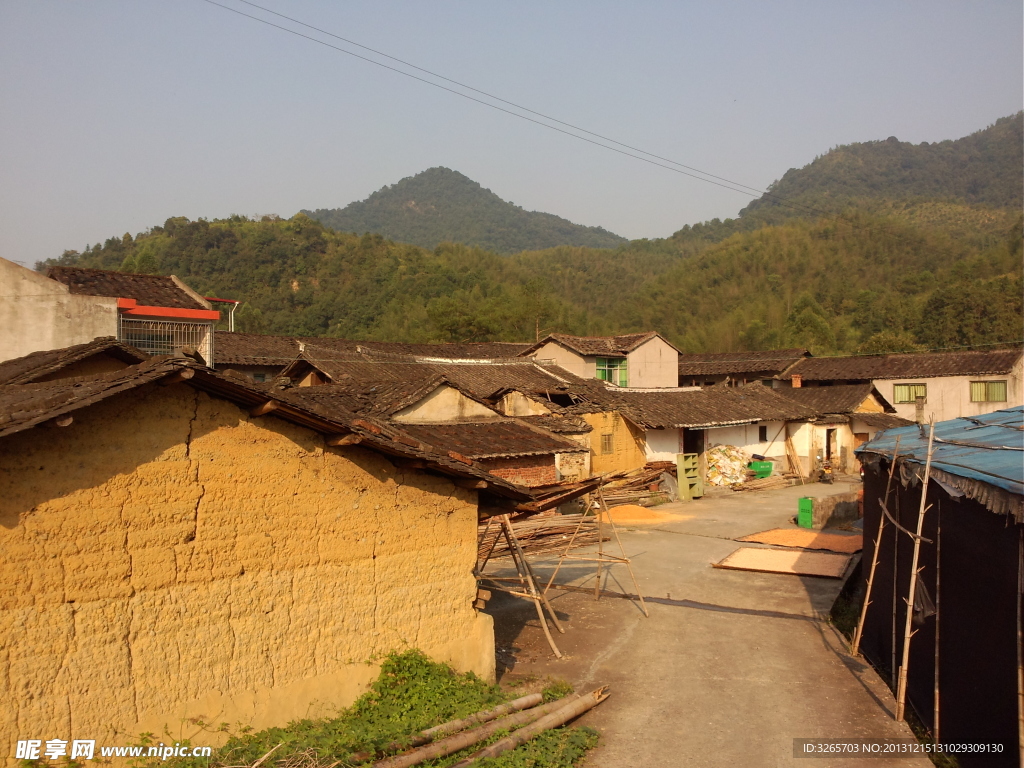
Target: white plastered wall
point(949, 397)
point(655, 363)
point(586, 367)
point(37, 313)
point(444, 404)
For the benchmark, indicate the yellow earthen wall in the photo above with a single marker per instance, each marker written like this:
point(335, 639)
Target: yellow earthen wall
point(628, 447)
point(167, 557)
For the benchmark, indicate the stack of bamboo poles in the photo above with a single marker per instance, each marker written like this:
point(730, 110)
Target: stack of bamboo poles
point(537, 536)
point(766, 483)
point(638, 485)
point(523, 717)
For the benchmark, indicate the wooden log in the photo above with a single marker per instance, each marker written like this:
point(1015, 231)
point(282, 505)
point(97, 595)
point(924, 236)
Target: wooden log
point(571, 710)
point(64, 420)
point(340, 440)
point(465, 739)
point(177, 377)
point(265, 408)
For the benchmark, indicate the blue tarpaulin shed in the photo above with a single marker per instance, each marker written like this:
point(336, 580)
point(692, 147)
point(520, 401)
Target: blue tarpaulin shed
point(969, 452)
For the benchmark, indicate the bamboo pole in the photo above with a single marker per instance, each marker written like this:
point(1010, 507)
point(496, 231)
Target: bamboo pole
point(936, 730)
point(600, 540)
point(874, 555)
point(520, 561)
point(1020, 646)
point(453, 726)
point(559, 717)
point(465, 739)
point(629, 565)
point(901, 689)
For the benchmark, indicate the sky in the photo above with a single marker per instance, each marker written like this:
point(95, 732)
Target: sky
point(118, 114)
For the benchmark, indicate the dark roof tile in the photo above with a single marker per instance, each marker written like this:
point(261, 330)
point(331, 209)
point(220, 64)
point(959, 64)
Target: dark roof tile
point(24, 370)
point(148, 290)
point(909, 365)
point(763, 364)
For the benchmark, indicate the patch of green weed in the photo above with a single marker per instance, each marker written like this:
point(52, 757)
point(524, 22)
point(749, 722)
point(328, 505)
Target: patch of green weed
point(411, 693)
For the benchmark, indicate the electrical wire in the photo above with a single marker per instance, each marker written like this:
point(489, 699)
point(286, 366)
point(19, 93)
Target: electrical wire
point(722, 182)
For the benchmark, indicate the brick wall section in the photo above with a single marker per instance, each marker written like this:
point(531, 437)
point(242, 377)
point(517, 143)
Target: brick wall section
point(167, 556)
point(525, 470)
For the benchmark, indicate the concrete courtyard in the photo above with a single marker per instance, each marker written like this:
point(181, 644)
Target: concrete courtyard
point(731, 666)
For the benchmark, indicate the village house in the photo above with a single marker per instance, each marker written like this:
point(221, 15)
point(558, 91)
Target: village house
point(963, 674)
point(101, 355)
point(632, 360)
point(846, 416)
point(73, 305)
point(434, 410)
point(261, 357)
point(953, 384)
point(706, 369)
point(154, 515)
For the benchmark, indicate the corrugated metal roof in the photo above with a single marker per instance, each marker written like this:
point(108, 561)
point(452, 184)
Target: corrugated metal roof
point(987, 448)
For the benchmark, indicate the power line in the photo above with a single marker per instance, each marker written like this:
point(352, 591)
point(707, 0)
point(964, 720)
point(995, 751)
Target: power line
point(730, 185)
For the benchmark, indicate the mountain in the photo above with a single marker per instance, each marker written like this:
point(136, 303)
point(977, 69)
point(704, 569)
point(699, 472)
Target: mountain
point(981, 169)
point(441, 205)
point(890, 272)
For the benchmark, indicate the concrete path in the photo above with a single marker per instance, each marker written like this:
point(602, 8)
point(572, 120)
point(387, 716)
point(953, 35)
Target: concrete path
point(730, 682)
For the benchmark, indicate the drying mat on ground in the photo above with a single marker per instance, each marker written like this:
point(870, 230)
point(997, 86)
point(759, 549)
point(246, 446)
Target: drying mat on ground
point(786, 561)
point(789, 537)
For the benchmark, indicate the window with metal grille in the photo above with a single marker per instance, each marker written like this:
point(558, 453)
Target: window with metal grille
point(908, 393)
point(607, 444)
point(166, 337)
point(988, 391)
point(613, 370)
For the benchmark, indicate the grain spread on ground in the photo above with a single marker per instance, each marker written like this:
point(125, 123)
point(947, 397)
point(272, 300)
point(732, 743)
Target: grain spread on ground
point(785, 537)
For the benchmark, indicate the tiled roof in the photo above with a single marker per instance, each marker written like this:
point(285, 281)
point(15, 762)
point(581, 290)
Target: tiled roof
point(841, 398)
point(881, 420)
point(23, 406)
point(910, 365)
point(253, 349)
point(479, 379)
point(492, 439)
point(565, 425)
point(604, 346)
point(148, 290)
point(257, 349)
point(714, 406)
point(23, 370)
point(382, 398)
point(768, 362)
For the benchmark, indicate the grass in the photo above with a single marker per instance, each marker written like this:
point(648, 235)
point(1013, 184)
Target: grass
point(411, 693)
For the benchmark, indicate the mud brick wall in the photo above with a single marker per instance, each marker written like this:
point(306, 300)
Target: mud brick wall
point(167, 556)
point(525, 470)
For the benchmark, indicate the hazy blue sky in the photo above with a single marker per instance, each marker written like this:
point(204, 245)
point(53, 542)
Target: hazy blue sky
point(115, 115)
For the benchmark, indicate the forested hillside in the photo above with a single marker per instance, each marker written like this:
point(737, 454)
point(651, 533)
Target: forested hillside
point(912, 278)
point(440, 205)
point(923, 251)
point(983, 168)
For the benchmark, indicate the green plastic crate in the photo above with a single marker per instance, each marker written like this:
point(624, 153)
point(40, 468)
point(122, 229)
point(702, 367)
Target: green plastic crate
point(805, 512)
point(761, 468)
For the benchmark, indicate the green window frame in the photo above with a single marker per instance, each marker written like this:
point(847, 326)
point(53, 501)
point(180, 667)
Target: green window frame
point(988, 391)
point(613, 370)
point(908, 393)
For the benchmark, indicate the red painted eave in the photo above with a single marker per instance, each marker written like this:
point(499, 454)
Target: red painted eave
point(132, 308)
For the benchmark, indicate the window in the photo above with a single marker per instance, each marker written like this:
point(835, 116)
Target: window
point(259, 378)
point(607, 444)
point(988, 391)
point(167, 337)
point(762, 434)
point(908, 393)
point(613, 370)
